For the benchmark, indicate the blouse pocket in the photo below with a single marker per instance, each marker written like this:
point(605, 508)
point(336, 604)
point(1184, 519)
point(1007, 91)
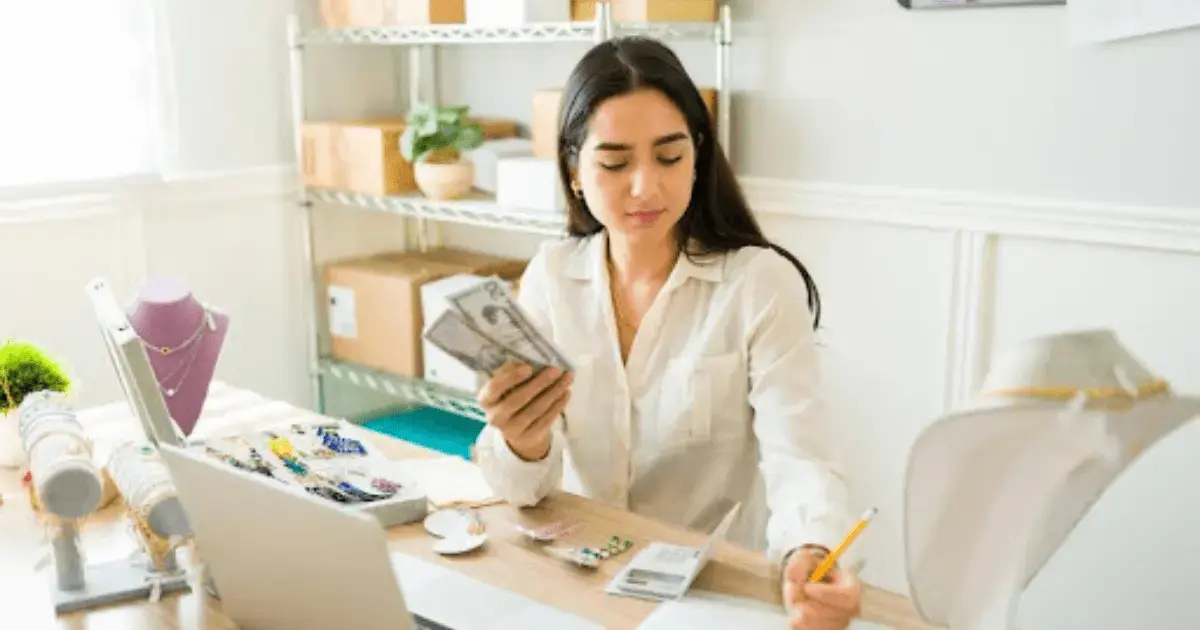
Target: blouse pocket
point(705, 400)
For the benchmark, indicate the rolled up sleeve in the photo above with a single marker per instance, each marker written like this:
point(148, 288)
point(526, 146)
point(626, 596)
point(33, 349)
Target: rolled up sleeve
point(517, 481)
point(806, 493)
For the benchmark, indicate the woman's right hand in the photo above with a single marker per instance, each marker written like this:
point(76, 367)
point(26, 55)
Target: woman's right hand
point(523, 406)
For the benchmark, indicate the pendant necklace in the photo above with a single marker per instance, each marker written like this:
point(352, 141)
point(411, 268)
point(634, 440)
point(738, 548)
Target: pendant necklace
point(182, 371)
point(207, 324)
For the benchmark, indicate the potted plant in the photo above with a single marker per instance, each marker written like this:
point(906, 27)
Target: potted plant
point(433, 141)
point(24, 370)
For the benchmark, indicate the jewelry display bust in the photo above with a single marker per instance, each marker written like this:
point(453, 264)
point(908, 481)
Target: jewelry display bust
point(993, 489)
point(183, 340)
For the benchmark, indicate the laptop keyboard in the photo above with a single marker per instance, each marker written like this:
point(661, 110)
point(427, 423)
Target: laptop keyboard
point(422, 623)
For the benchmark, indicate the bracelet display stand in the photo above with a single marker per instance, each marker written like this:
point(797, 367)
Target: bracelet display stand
point(69, 486)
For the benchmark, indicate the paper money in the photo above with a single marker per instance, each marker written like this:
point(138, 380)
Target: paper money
point(453, 335)
point(493, 310)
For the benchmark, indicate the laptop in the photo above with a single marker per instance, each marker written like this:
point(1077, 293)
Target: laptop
point(284, 560)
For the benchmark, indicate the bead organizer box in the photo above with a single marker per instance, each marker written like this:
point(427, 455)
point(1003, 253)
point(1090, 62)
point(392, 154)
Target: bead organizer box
point(325, 460)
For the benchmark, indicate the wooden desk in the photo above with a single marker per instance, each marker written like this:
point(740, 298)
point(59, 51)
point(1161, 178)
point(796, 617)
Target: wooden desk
point(506, 561)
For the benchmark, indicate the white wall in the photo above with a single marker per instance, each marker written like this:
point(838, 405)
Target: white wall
point(958, 180)
point(858, 126)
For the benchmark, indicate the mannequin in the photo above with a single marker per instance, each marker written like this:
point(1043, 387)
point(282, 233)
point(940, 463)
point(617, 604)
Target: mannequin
point(183, 340)
point(993, 490)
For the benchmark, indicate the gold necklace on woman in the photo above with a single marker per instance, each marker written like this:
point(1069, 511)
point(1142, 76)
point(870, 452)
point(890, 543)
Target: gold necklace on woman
point(622, 322)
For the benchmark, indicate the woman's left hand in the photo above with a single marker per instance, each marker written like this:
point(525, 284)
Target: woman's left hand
point(828, 605)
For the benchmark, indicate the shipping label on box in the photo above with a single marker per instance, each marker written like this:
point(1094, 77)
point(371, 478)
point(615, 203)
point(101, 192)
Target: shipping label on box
point(343, 316)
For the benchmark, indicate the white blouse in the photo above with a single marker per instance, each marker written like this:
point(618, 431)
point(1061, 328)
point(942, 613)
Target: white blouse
point(719, 402)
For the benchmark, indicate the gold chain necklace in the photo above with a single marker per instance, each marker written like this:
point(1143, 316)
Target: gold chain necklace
point(616, 301)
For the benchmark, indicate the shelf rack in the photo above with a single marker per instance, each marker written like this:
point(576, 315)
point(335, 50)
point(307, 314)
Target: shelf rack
point(477, 210)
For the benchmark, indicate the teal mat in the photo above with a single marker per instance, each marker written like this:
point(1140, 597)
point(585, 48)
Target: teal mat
point(431, 428)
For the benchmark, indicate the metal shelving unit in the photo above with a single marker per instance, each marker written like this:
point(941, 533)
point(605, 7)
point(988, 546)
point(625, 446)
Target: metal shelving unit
point(478, 210)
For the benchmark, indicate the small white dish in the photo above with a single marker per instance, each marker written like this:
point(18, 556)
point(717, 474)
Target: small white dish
point(448, 523)
point(460, 543)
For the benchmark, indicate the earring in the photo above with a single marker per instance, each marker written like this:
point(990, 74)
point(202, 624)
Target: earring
point(577, 191)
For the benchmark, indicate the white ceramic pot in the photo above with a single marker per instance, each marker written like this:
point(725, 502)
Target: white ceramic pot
point(12, 452)
point(444, 181)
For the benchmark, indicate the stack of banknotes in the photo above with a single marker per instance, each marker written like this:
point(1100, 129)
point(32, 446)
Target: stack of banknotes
point(484, 328)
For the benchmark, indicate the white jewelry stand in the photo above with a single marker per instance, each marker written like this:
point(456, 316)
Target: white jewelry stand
point(69, 485)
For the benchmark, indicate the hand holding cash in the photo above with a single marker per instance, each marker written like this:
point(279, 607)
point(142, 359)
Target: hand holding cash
point(529, 379)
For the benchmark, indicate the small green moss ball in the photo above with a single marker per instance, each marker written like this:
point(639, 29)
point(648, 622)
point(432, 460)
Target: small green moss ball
point(25, 369)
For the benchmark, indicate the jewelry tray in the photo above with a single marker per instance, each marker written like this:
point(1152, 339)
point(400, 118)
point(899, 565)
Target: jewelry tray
point(408, 505)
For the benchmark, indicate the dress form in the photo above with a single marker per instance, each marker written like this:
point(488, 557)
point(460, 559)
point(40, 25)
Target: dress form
point(183, 340)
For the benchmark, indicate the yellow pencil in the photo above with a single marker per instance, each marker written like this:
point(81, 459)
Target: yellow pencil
point(824, 567)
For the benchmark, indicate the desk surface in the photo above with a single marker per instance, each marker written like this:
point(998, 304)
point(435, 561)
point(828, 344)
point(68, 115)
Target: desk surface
point(506, 561)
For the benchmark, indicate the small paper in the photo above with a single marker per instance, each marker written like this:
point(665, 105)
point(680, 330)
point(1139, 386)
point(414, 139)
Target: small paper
point(449, 481)
point(343, 314)
point(662, 571)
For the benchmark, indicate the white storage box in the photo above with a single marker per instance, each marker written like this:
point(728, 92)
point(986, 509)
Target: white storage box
point(517, 12)
point(529, 183)
point(489, 153)
point(441, 368)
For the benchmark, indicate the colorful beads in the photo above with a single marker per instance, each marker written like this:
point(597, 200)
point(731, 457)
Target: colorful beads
point(339, 444)
point(614, 547)
point(295, 466)
point(386, 486)
point(283, 448)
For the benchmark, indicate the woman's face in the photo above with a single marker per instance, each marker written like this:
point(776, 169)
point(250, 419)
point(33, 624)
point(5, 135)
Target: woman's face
point(636, 166)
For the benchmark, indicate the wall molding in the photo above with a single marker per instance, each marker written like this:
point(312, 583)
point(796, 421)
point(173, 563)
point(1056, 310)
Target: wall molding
point(168, 193)
point(1154, 227)
point(967, 349)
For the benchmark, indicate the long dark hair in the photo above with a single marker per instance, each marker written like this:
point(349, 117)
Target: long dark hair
point(717, 219)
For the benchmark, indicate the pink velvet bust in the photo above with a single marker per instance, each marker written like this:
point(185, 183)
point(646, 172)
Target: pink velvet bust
point(183, 339)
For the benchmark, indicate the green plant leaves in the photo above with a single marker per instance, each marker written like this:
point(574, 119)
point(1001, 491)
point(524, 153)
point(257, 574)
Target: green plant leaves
point(431, 129)
point(24, 370)
point(469, 137)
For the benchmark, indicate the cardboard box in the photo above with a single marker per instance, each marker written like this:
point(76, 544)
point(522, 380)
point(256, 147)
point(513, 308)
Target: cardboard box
point(364, 156)
point(516, 12)
point(375, 314)
point(373, 13)
point(649, 10)
point(543, 126)
point(497, 128)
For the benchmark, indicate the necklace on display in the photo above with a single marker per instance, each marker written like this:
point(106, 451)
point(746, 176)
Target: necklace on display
point(179, 374)
point(208, 321)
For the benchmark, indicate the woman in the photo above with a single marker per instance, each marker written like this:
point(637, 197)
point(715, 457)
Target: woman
point(694, 382)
